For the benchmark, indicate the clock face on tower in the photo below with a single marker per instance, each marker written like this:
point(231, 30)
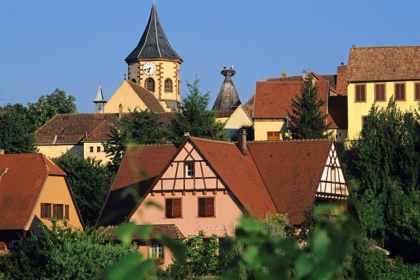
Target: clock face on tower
point(149, 68)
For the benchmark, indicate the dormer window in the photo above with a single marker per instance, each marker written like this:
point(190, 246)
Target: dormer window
point(189, 170)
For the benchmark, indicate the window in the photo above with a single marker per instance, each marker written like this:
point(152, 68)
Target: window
point(173, 207)
point(58, 211)
point(45, 210)
point(273, 135)
point(156, 251)
point(380, 92)
point(360, 93)
point(150, 84)
point(67, 212)
point(206, 207)
point(91, 149)
point(399, 91)
point(417, 91)
point(189, 170)
point(168, 85)
point(98, 149)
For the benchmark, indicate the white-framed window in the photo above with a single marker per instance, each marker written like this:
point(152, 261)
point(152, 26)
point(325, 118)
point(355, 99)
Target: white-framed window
point(189, 170)
point(156, 251)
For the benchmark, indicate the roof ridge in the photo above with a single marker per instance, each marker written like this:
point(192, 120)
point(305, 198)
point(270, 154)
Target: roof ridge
point(292, 140)
point(212, 140)
point(408, 46)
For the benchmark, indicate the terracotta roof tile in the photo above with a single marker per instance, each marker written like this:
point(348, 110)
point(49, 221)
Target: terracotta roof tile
point(100, 133)
point(70, 128)
point(384, 63)
point(249, 106)
point(147, 97)
point(341, 87)
point(274, 98)
point(291, 170)
point(140, 167)
point(21, 185)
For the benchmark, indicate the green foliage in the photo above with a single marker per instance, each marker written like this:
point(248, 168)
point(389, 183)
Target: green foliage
point(50, 105)
point(61, 253)
point(16, 130)
point(385, 162)
point(139, 127)
point(306, 118)
point(89, 181)
point(195, 118)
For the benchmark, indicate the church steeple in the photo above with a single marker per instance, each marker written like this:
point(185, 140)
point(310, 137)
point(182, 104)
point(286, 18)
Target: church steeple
point(153, 42)
point(99, 100)
point(154, 64)
point(228, 98)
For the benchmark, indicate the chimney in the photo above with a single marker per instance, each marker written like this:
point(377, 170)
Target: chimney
point(242, 141)
point(1, 152)
point(283, 74)
point(120, 111)
point(186, 136)
point(304, 73)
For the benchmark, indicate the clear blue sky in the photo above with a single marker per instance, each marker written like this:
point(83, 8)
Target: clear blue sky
point(70, 44)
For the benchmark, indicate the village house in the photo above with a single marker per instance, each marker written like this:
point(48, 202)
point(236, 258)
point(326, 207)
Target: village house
point(207, 185)
point(33, 190)
point(375, 74)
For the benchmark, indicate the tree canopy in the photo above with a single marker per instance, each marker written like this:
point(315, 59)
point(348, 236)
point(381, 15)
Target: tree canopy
point(89, 181)
point(306, 119)
point(50, 105)
point(139, 127)
point(16, 130)
point(195, 118)
point(385, 163)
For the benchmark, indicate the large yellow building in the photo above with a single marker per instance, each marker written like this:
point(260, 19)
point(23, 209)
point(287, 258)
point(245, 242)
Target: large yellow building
point(374, 75)
point(153, 65)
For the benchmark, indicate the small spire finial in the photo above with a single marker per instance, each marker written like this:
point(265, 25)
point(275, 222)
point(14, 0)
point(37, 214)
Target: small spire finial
point(125, 76)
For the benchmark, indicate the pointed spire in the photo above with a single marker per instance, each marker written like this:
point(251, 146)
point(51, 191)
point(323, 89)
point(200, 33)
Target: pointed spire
point(228, 98)
point(153, 42)
point(99, 100)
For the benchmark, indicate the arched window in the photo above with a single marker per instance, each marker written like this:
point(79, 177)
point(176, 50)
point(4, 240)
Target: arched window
point(150, 84)
point(168, 85)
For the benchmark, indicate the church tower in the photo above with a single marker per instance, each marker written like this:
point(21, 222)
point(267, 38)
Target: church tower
point(154, 64)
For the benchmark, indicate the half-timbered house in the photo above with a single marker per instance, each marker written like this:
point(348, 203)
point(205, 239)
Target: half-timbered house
point(205, 185)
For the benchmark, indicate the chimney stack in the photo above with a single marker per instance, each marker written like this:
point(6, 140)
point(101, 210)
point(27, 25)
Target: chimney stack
point(242, 141)
point(304, 73)
point(283, 74)
point(1, 152)
point(120, 112)
point(186, 136)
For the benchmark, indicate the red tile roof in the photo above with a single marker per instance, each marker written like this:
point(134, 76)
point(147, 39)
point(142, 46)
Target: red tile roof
point(384, 64)
point(139, 169)
point(99, 133)
point(21, 185)
point(341, 87)
point(274, 98)
point(291, 170)
point(239, 173)
point(147, 97)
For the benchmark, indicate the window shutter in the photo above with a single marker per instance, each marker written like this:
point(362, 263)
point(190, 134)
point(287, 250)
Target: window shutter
point(209, 207)
point(55, 211)
point(168, 208)
point(201, 207)
point(43, 210)
point(176, 207)
point(417, 92)
point(67, 214)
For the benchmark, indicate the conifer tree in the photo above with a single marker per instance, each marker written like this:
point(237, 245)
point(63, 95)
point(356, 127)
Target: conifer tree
point(306, 119)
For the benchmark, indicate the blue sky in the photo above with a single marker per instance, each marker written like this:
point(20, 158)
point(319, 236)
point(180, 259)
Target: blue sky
point(71, 44)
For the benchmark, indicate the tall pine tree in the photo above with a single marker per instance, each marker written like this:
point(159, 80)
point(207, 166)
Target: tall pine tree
point(306, 119)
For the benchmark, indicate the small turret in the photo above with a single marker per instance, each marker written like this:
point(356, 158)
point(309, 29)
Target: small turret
point(228, 98)
point(99, 100)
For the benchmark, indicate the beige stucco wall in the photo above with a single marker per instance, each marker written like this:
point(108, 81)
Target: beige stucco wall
point(357, 110)
point(238, 119)
point(125, 96)
point(261, 128)
point(95, 154)
point(55, 150)
point(339, 134)
point(55, 191)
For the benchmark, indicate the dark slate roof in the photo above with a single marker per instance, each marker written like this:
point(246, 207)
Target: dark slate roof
point(21, 185)
point(153, 42)
point(174, 105)
point(228, 98)
point(384, 64)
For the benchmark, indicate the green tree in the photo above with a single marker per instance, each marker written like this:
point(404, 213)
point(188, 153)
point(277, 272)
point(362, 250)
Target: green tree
point(50, 105)
point(16, 130)
point(385, 162)
point(139, 127)
point(195, 118)
point(61, 253)
point(89, 181)
point(306, 119)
